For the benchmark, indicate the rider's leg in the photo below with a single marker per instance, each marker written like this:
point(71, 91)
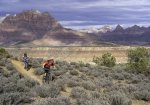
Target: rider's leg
point(46, 74)
point(28, 66)
point(25, 65)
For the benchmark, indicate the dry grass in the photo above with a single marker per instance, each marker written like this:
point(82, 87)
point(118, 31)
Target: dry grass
point(84, 54)
point(136, 102)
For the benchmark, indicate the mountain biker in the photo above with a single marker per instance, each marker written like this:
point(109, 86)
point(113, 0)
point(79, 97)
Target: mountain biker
point(26, 61)
point(47, 66)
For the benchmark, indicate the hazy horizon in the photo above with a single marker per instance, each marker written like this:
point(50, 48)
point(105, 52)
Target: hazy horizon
point(77, 14)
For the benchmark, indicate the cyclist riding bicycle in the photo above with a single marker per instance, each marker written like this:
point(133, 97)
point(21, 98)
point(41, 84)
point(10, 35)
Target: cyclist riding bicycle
point(47, 66)
point(26, 61)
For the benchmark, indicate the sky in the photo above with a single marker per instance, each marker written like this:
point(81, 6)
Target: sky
point(79, 14)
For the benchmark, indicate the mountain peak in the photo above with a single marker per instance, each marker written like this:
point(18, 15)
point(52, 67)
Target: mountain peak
point(119, 28)
point(135, 27)
point(32, 19)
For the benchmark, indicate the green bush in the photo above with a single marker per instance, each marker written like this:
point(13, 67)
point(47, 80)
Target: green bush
point(138, 59)
point(4, 53)
point(106, 60)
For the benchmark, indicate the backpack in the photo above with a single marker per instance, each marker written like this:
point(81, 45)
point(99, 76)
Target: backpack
point(46, 65)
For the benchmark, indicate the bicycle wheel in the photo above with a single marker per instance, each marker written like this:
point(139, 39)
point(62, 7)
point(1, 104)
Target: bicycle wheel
point(47, 78)
point(44, 79)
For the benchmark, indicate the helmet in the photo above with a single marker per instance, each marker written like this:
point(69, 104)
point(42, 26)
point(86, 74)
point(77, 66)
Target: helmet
point(25, 54)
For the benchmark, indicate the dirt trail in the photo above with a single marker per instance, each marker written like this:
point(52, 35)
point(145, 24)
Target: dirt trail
point(19, 66)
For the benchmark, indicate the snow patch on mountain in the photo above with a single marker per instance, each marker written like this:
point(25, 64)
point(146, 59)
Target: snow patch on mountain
point(103, 29)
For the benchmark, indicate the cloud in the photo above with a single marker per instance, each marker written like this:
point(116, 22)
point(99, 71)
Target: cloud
point(76, 22)
point(82, 13)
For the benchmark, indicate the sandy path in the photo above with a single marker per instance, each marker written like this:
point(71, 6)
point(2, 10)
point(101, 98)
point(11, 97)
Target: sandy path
point(19, 66)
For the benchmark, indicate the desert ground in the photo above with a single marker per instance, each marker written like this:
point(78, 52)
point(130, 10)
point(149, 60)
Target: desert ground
point(71, 54)
point(75, 83)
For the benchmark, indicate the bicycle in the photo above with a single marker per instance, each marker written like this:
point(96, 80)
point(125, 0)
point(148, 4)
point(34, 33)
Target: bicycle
point(47, 77)
point(28, 67)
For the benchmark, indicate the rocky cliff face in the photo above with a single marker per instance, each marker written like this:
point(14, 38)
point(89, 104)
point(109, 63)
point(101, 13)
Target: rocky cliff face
point(34, 26)
point(33, 21)
point(27, 26)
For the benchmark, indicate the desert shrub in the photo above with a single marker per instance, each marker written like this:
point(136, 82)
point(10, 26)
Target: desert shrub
point(80, 95)
point(142, 95)
point(143, 86)
point(78, 92)
point(10, 87)
point(72, 83)
point(15, 99)
point(118, 76)
point(135, 80)
point(94, 73)
point(106, 60)
point(89, 85)
point(84, 69)
point(75, 64)
point(94, 102)
point(95, 94)
point(58, 73)
point(127, 75)
point(39, 71)
point(51, 90)
point(64, 67)
point(127, 89)
point(14, 78)
point(1, 89)
point(6, 74)
point(30, 82)
point(53, 101)
point(9, 66)
point(2, 63)
point(4, 80)
point(81, 63)
point(66, 100)
point(130, 88)
point(88, 65)
point(84, 98)
point(74, 72)
point(119, 99)
point(103, 82)
point(61, 63)
point(36, 64)
point(70, 67)
point(138, 59)
point(40, 60)
point(13, 84)
point(21, 87)
point(61, 83)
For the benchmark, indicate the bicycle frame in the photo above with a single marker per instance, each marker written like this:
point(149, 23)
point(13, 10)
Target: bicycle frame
point(47, 78)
